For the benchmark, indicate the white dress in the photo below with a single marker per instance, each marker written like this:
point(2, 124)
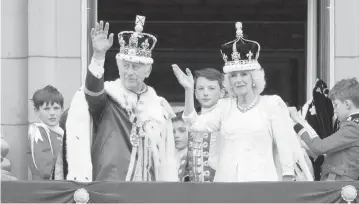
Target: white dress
point(248, 139)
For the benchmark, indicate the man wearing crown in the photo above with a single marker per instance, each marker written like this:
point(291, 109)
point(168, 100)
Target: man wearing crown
point(120, 130)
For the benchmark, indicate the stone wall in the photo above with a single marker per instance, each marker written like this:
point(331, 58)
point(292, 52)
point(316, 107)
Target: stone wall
point(346, 39)
point(40, 45)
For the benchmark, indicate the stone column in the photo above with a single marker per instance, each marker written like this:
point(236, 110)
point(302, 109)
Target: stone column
point(14, 100)
point(346, 39)
point(54, 28)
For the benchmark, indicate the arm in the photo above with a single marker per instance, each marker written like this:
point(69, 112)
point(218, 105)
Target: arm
point(189, 102)
point(307, 130)
point(307, 150)
point(94, 87)
point(187, 82)
point(345, 137)
point(208, 122)
point(214, 150)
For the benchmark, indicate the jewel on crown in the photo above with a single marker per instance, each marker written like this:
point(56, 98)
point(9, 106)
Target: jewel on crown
point(121, 41)
point(249, 55)
point(235, 55)
point(225, 57)
point(133, 41)
point(145, 45)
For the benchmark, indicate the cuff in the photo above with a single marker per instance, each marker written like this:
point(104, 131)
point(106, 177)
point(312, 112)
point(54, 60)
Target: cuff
point(212, 162)
point(93, 94)
point(288, 170)
point(189, 118)
point(311, 132)
point(298, 128)
point(96, 67)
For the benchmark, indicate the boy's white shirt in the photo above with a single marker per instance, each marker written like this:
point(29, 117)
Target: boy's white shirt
point(96, 67)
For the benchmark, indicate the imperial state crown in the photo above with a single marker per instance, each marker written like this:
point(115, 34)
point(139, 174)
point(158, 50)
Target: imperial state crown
point(240, 54)
point(136, 46)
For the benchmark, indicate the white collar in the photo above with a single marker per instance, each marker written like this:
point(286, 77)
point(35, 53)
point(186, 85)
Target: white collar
point(57, 129)
point(206, 110)
point(352, 114)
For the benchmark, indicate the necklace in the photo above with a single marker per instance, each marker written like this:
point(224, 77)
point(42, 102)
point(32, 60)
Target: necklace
point(243, 109)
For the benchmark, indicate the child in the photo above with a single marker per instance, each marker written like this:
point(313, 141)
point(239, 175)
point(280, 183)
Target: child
point(45, 137)
point(203, 147)
point(181, 141)
point(342, 147)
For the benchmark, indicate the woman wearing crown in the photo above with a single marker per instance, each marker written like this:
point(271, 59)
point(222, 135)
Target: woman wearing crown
point(259, 143)
point(119, 130)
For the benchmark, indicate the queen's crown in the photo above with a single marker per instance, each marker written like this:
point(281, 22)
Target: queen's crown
point(240, 54)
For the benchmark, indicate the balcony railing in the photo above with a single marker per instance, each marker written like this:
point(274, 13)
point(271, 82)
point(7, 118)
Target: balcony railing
point(116, 192)
point(18, 191)
point(5, 163)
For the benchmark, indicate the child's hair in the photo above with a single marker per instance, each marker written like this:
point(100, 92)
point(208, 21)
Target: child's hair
point(47, 95)
point(178, 117)
point(346, 89)
point(210, 74)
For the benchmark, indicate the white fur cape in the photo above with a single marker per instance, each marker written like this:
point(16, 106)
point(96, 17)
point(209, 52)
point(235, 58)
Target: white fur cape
point(79, 130)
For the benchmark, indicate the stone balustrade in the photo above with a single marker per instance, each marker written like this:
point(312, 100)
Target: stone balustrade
point(5, 163)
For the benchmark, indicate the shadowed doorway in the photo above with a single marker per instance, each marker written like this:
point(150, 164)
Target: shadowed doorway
point(190, 32)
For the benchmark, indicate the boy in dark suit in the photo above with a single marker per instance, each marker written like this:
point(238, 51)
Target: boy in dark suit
point(342, 147)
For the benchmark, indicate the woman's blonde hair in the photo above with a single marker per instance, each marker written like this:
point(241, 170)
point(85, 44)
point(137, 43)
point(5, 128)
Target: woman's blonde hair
point(258, 78)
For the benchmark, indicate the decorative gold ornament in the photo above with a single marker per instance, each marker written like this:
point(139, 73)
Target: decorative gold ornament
point(81, 196)
point(349, 193)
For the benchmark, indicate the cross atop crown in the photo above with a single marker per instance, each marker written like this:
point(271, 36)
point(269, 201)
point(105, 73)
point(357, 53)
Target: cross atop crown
point(140, 20)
